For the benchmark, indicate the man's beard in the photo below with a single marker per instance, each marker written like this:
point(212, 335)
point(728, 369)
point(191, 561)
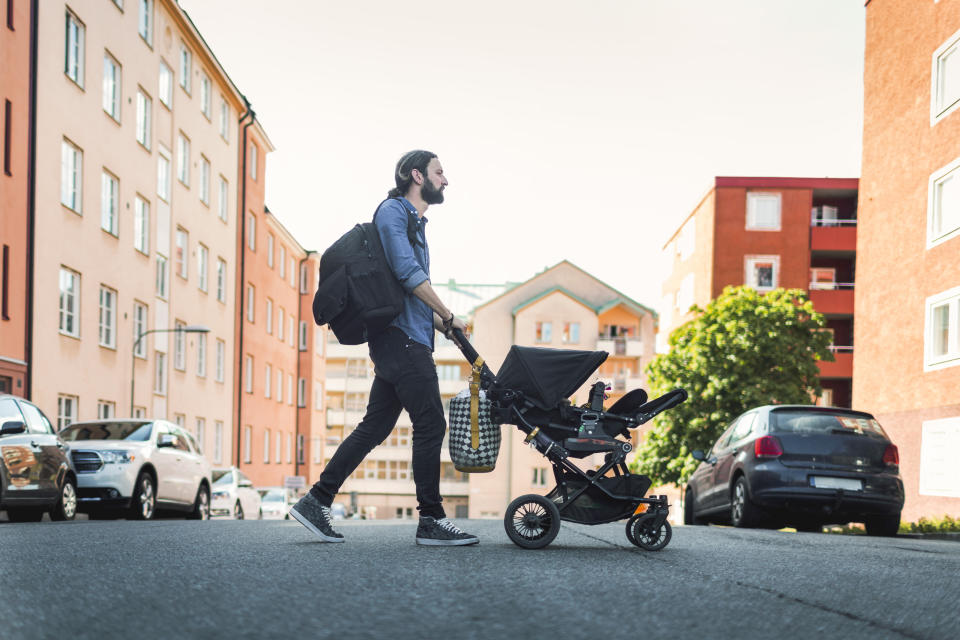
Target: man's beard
point(430, 194)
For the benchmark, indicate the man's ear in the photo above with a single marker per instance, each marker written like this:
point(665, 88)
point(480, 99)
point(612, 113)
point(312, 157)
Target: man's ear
point(417, 176)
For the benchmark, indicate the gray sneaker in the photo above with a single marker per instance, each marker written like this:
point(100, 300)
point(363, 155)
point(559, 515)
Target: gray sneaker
point(315, 517)
point(440, 532)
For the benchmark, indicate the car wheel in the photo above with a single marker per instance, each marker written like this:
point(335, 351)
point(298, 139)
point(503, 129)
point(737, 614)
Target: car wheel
point(885, 526)
point(743, 513)
point(66, 507)
point(25, 515)
point(201, 505)
point(259, 514)
point(143, 504)
point(688, 517)
point(237, 511)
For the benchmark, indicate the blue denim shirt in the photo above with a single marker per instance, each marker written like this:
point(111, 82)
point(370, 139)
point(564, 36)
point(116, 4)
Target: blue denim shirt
point(411, 265)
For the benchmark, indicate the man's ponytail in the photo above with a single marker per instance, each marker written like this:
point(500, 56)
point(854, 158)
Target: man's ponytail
point(403, 174)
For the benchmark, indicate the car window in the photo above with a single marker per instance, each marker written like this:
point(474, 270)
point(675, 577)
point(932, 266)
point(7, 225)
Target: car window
point(182, 443)
point(194, 447)
point(721, 442)
point(825, 422)
point(9, 412)
point(743, 427)
point(36, 422)
point(243, 477)
point(130, 431)
point(222, 476)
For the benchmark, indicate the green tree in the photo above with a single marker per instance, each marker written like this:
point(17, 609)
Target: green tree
point(744, 350)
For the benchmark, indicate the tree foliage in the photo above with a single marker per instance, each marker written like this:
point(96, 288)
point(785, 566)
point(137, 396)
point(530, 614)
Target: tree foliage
point(744, 350)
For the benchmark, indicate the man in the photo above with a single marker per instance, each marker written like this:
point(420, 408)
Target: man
point(406, 376)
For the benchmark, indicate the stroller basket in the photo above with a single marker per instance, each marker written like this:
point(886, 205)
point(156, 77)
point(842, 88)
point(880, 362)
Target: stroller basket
point(595, 506)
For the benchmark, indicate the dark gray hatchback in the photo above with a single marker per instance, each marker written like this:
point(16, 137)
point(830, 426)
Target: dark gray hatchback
point(802, 466)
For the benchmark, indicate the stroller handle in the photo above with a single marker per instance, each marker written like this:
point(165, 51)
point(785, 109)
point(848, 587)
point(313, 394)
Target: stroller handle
point(471, 354)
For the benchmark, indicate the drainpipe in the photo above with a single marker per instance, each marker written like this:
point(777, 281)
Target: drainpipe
point(296, 461)
point(242, 280)
point(31, 197)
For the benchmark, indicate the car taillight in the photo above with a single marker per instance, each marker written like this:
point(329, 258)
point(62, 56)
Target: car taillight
point(891, 456)
point(767, 447)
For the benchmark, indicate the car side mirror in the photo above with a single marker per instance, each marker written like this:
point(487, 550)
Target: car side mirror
point(245, 483)
point(698, 455)
point(166, 440)
point(13, 427)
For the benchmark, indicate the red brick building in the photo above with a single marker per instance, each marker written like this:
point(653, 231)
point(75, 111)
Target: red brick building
point(908, 250)
point(767, 233)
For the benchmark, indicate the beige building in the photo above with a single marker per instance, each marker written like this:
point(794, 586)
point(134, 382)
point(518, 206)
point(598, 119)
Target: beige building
point(137, 167)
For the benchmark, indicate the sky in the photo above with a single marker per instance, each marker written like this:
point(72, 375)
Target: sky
point(580, 131)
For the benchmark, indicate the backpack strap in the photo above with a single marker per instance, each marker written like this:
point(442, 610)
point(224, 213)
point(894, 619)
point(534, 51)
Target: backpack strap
point(412, 235)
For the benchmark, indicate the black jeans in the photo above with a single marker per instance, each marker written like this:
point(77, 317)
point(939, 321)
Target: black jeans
point(406, 378)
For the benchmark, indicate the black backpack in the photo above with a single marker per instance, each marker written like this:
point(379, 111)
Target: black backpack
point(357, 294)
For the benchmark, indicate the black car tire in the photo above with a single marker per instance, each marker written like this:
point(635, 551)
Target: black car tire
point(885, 526)
point(238, 511)
point(25, 515)
point(809, 527)
point(688, 517)
point(66, 506)
point(743, 513)
point(201, 504)
point(143, 503)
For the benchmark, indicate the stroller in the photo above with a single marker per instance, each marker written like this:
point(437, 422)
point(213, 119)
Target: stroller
point(531, 391)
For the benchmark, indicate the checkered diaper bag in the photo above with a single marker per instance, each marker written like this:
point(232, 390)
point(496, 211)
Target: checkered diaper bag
point(473, 449)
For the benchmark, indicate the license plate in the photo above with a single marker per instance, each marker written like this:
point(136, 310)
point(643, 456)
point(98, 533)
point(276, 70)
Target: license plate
point(826, 482)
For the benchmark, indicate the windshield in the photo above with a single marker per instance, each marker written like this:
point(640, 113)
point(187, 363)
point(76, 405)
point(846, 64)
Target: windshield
point(129, 431)
point(222, 476)
point(274, 495)
point(823, 422)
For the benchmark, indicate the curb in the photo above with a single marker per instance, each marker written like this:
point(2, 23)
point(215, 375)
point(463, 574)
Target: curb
point(952, 536)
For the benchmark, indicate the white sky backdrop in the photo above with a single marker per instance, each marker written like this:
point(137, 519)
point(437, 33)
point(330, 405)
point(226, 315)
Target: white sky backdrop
point(571, 130)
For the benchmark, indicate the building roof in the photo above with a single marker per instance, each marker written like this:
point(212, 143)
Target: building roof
point(462, 299)
point(549, 292)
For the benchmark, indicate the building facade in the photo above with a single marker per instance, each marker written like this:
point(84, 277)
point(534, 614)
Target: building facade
point(796, 233)
point(907, 370)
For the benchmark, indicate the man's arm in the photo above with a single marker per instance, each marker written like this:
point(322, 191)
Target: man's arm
point(426, 292)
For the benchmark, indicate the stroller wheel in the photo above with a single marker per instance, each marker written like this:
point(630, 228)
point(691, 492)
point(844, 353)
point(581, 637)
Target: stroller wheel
point(641, 532)
point(532, 521)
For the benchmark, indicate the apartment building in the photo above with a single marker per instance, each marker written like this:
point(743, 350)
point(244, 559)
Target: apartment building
point(907, 370)
point(562, 307)
point(15, 179)
point(796, 233)
point(136, 216)
point(312, 372)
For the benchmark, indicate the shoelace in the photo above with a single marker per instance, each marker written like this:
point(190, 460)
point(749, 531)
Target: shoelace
point(445, 524)
point(325, 511)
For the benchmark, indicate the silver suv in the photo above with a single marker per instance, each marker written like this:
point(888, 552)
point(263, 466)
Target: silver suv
point(137, 467)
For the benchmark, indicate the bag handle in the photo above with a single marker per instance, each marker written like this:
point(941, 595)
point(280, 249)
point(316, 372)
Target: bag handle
point(475, 403)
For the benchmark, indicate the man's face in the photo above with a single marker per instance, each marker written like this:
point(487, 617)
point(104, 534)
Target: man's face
point(434, 182)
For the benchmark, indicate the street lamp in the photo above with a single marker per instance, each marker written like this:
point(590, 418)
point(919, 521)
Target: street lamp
point(190, 328)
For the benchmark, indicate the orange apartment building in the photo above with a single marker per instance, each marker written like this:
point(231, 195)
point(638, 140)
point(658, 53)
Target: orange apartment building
point(16, 145)
point(772, 232)
point(907, 370)
point(311, 374)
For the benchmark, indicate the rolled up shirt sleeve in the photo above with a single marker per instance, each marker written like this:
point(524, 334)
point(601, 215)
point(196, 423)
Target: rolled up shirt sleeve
point(392, 227)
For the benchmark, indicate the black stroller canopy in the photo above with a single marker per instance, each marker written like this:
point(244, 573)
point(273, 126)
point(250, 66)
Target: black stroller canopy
point(546, 376)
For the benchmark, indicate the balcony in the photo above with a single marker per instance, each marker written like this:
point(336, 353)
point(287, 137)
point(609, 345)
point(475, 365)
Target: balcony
point(335, 350)
point(842, 367)
point(833, 235)
point(452, 387)
point(341, 417)
point(621, 346)
point(832, 298)
point(352, 384)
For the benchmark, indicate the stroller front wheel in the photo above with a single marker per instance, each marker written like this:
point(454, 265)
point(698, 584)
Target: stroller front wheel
point(641, 532)
point(532, 521)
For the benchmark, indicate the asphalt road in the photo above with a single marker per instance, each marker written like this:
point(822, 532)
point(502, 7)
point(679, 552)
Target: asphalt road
point(271, 579)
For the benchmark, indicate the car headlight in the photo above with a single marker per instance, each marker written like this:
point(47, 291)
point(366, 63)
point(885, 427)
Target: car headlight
point(220, 494)
point(116, 456)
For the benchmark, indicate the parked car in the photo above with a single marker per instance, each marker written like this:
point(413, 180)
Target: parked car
point(234, 495)
point(135, 467)
point(799, 465)
point(276, 502)
point(36, 475)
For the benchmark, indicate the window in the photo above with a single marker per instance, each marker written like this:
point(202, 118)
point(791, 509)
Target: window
point(201, 355)
point(253, 161)
point(221, 359)
point(290, 330)
point(145, 22)
point(303, 336)
point(179, 346)
point(279, 457)
point(205, 100)
point(289, 448)
point(301, 445)
point(686, 292)
point(139, 412)
point(161, 277)
point(141, 225)
point(270, 250)
point(181, 252)
point(224, 120)
point(945, 92)
point(303, 278)
point(943, 203)
point(942, 339)
point(111, 86)
point(251, 309)
point(71, 176)
point(268, 376)
point(204, 181)
point(290, 389)
point(109, 203)
point(106, 409)
point(252, 232)
point(762, 272)
point(160, 374)
point(202, 256)
point(266, 446)
point(183, 159)
point(823, 278)
point(186, 67)
point(248, 375)
point(201, 433)
point(69, 302)
point(163, 175)
point(108, 317)
point(165, 88)
point(317, 395)
point(291, 271)
point(279, 385)
point(763, 211)
point(571, 333)
point(544, 332)
point(66, 410)
point(283, 262)
point(217, 440)
point(7, 133)
point(280, 315)
point(224, 199)
point(539, 477)
point(247, 437)
point(269, 316)
point(144, 107)
point(302, 392)
point(139, 328)
point(73, 62)
point(221, 280)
